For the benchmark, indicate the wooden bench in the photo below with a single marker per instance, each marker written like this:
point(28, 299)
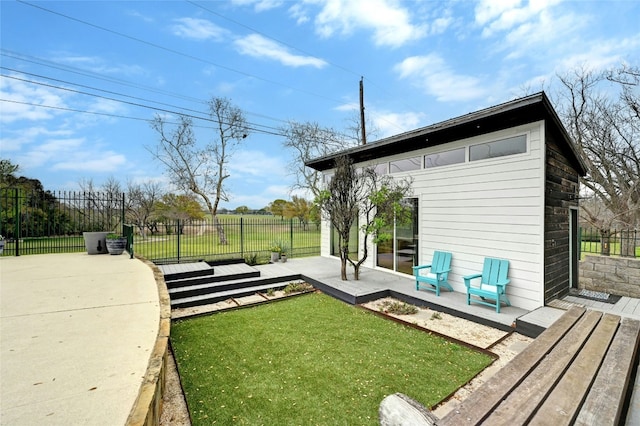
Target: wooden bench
point(579, 371)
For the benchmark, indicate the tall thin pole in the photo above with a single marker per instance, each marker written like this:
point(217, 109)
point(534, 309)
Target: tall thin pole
point(364, 133)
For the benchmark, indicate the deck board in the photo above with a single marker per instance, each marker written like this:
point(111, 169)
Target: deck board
point(563, 403)
point(604, 408)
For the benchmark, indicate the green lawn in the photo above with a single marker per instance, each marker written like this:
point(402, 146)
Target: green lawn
point(311, 360)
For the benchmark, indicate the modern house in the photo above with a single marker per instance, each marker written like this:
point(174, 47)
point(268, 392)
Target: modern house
point(500, 182)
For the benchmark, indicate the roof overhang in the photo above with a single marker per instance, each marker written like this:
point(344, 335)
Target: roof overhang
point(510, 114)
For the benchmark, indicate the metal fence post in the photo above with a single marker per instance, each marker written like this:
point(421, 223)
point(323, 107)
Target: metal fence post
point(178, 238)
point(291, 237)
point(18, 222)
point(241, 237)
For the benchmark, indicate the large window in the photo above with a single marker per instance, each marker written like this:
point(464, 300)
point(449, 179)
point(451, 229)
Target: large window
point(353, 241)
point(400, 253)
point(445, 158)
point(501, 148)
point(405, 165)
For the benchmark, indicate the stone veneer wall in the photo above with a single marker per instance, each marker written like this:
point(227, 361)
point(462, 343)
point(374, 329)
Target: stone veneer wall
point(615, 275)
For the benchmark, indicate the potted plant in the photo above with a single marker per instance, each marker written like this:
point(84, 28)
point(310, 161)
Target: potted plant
point(116, 243)
point(283, 252)
point(2, 241)
point(95, 242)
point(275, 252)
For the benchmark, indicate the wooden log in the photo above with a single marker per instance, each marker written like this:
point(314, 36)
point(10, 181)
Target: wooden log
point(400, 410)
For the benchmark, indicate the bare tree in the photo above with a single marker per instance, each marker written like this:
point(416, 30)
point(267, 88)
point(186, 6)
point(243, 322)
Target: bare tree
point(607, 129)
point(201, 169)
point(308, 141)
point(361, 193)
point(103, 203)
point(142, 199)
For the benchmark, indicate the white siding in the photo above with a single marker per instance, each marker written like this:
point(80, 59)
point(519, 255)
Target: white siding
point(486, 208)
point(492, 208)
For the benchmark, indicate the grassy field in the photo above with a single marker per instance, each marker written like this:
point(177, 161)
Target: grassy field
point(310, 360)
point(245, 235)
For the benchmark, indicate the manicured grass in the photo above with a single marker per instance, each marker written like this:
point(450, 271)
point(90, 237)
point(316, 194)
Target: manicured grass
point(589, 247)
point(311, 360)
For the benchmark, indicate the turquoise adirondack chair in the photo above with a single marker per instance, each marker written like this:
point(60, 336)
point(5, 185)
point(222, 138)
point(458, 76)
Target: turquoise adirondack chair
point(493, 283)
point(437, 274)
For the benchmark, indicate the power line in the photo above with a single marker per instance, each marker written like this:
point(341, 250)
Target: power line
point(175, 52)
point(123, 116)
point(78, 71)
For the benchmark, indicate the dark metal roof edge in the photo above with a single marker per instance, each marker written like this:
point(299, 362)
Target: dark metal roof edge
point(537, 98)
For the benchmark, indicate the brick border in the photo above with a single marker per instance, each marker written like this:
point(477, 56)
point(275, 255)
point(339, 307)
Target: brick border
point(147, 408)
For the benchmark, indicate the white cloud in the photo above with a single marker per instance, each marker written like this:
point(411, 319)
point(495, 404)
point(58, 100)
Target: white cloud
point(251, 164)
point(259, 5)
point(601, 54)
point(27, 101)
point(390, 23)
point(258, 46)
point(97, 64)
point(392, 123)
point(431, 74)
point(103, 162)
point(198, 29)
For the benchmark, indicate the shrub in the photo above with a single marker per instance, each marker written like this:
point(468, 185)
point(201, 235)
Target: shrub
point(297, 287)
point(398, 308)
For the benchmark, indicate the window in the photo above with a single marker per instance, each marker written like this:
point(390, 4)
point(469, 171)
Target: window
point(400, 253)
point(405, 165)
point(501, 148)
point(445, 158)
point(380, 169)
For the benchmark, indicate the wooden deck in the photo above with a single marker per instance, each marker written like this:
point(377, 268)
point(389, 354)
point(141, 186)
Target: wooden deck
point(578, 371)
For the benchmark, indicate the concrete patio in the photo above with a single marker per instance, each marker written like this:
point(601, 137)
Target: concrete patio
point(76, 337)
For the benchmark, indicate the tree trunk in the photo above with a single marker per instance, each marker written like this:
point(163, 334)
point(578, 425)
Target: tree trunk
point(627, 243)
point(220, 229)
point(344, 253)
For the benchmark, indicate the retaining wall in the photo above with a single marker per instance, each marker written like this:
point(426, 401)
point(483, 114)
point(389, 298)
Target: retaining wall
point(615, 275)
point(148, 406)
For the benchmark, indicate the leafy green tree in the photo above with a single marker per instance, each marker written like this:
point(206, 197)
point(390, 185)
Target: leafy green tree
point(183, 207)
point(276, 207)
point(299, 208)
point(242, 210)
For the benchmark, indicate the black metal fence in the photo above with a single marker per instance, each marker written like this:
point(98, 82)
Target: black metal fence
point(610, 242)
point(33, 222)
point(251, 238)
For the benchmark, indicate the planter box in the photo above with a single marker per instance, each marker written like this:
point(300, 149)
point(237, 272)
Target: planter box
point(95, 242)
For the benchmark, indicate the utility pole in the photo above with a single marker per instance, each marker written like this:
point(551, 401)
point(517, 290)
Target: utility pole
point(364, 133)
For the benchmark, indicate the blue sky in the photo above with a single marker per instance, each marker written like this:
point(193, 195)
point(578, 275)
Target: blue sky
point(422, 62)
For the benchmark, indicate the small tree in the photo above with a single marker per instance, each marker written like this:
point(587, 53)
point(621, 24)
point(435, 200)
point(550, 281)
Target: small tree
point(360, 193)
